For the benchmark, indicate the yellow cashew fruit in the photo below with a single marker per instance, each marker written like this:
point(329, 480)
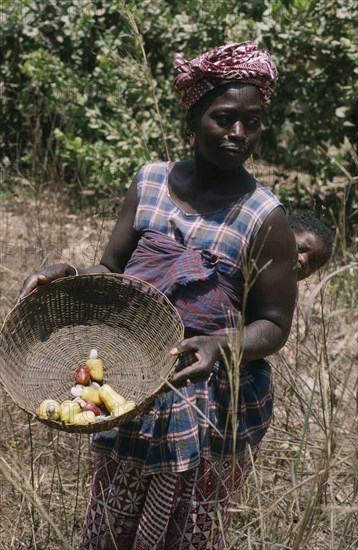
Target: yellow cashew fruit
point(110, 398)
point(91, 394)
point(95, 366)
point(118, 410)
point(68, 409)
point(84, 417)
point(49, 410)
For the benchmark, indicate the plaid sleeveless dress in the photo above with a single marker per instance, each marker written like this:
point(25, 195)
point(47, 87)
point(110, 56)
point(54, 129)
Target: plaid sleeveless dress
point(171, 436)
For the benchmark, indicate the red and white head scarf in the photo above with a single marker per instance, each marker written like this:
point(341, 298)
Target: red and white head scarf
point(243, 62)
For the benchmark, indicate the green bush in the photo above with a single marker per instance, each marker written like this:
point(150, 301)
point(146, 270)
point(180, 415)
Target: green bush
point(80, 99)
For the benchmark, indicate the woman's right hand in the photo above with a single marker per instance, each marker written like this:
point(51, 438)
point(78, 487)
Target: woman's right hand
point(44, 277)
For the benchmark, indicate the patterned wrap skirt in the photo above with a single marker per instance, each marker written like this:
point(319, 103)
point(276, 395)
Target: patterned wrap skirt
point(167, 511)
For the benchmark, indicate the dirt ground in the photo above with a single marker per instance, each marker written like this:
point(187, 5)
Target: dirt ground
point(302, 494)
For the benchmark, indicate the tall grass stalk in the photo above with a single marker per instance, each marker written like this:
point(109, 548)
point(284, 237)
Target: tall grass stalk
point(147, 70)
point(17, 480)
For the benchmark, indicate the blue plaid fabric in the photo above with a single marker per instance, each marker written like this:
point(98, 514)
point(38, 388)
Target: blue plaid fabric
point(203, 281)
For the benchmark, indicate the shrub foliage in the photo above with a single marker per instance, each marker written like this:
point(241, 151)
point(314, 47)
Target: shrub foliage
point(87, 93)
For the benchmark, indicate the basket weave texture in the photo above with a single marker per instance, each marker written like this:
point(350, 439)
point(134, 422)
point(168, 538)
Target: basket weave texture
point(50, 333)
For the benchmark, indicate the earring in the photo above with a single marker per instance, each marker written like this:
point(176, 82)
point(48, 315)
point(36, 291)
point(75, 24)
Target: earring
point(192, 137)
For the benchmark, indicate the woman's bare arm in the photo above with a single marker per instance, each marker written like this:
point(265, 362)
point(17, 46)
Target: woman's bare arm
point(269, 308)
point(121, 245)
point(124, 238)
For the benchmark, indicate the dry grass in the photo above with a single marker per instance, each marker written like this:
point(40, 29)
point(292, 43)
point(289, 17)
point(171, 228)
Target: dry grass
point(303, 490)
point(44, 474)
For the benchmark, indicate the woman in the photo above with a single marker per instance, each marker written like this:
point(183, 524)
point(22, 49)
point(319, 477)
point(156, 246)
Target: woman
point(202, 230)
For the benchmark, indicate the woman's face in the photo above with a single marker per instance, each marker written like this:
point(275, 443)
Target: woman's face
point(312, 253)
point(230, 127)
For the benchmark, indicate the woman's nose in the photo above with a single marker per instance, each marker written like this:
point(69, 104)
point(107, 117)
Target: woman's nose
point(237, 130)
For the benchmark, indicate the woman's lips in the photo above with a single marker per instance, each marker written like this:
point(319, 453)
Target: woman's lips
point(233, 149)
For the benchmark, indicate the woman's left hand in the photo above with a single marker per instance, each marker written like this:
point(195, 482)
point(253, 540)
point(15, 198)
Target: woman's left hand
point(206, 350)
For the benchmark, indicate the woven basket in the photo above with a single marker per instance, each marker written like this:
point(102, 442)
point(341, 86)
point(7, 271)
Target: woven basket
point(50, 333)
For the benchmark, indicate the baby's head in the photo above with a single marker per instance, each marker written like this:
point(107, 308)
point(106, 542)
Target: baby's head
point(314, 242)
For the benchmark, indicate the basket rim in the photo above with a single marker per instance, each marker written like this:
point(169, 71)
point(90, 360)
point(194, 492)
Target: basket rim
point(84, 276)
point(105, 424)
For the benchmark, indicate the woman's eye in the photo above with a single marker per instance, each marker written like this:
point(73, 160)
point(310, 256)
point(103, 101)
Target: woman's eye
point(253, 122)
point(222, 119)
point(227, 120)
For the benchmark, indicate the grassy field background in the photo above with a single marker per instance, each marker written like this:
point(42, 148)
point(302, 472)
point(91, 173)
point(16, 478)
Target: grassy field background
point(303, 490)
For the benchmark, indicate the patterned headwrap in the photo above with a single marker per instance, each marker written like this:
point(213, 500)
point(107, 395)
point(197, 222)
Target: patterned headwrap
point(231, 63)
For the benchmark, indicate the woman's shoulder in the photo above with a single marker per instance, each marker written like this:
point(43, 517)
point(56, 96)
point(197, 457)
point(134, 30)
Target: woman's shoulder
point(254, 193)
point(261, 192)
point(257, 200)
point(158, 168)
point(152, 178)
point(253, 209)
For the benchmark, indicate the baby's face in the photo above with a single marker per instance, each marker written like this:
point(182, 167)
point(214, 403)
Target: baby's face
point(312, 253)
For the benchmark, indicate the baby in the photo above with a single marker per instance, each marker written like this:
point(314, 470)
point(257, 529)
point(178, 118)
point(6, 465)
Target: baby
point(314, 243)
